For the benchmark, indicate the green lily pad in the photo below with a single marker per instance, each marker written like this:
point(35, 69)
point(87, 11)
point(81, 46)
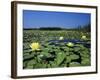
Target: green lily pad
point(86, 61)
point(74, 56)
point(74, 64)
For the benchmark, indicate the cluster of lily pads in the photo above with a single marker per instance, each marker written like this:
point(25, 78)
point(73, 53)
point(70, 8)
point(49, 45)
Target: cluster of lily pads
point(56, 54)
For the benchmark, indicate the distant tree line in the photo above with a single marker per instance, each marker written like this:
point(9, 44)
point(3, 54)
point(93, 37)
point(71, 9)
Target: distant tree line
point(85, 28)
point(45, 28)
point(50, 28)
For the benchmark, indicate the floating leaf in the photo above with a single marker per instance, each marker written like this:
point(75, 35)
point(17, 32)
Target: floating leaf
point(30, 64)
point(68, 59)
point(74, 56)
point(73, 64)
point(85, 61)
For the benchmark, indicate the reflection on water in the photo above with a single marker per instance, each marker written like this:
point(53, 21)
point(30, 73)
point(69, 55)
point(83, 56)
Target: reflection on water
point(75, 41)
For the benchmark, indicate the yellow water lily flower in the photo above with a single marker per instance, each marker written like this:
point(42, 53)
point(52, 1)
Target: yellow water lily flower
point(35, 46)
point(84, 37)
point(61, 38)
point(70, 44)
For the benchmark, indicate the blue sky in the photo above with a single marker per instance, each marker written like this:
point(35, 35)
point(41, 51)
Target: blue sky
point(37, 19)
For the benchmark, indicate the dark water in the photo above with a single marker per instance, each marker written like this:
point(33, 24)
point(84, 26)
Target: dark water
point(75, 41)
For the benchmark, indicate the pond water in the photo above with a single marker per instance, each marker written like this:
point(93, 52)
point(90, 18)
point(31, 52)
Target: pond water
point(75, 41)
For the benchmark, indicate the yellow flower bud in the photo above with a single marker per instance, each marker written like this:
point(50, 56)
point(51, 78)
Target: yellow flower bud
point(61, 38)
point(84, 37)
point(70, 44)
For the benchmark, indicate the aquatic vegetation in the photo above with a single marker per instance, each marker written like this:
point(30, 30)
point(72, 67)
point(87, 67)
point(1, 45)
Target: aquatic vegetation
point(51, 49)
